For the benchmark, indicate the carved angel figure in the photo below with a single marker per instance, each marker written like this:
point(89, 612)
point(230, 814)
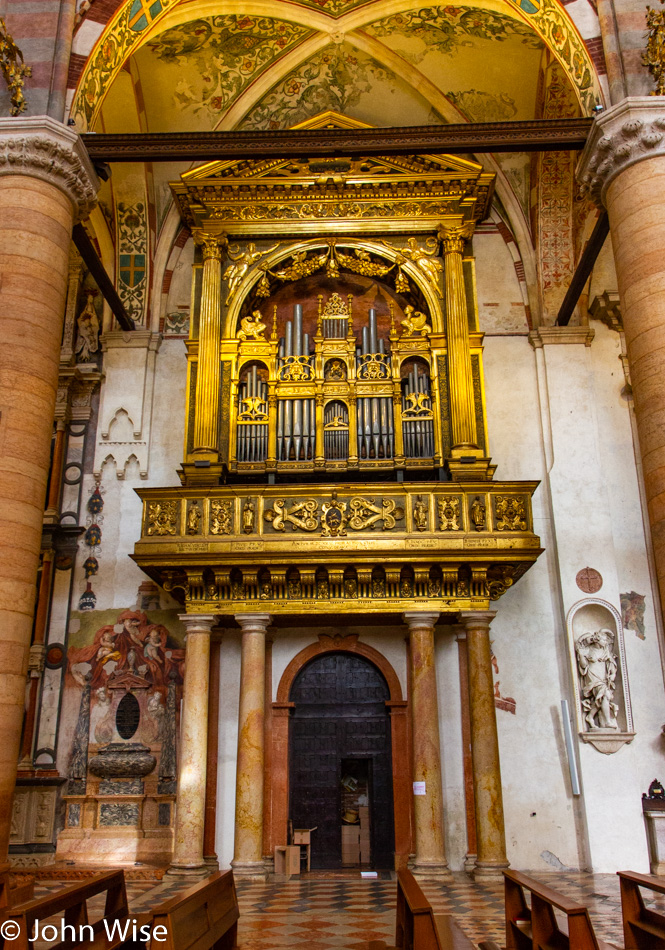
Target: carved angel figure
point(240, 264)
point(415, 322)
point(252, 327)
point(425, 260)
point(597, 666)
point(87, 341)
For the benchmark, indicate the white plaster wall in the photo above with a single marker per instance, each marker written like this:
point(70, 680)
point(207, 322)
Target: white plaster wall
point(500, 301)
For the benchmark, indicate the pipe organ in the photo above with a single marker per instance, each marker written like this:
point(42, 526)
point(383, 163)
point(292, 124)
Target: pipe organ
point(336, 397)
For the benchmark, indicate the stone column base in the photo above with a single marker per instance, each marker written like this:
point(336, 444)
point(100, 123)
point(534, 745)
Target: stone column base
point(489, 872)
point(470, 863)
point(433, 872)
point(189, 874)
point(250, 871)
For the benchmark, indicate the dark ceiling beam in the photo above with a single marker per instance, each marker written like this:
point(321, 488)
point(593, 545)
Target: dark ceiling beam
point(584, 268)
point(537, 136)
point(87, 251)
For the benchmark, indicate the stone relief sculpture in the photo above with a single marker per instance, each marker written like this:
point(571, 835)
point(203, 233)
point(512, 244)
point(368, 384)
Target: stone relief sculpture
point(87, 341)
point(597, 667)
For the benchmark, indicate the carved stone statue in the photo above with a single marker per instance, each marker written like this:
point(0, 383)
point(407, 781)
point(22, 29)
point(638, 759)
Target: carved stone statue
point(597, 667)
point(252, 327)
point(87, 341)
point(415, 322)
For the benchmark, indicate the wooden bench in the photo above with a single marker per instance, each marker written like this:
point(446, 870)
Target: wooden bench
point(418, 928)
point(537, 928)
point(15, 888)
point(72, 904)
point(203, 917)
point(643, 928)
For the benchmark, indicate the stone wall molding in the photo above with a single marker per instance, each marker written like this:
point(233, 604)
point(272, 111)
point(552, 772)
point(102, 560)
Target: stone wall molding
point(542, 336)
point(627, 133)
point(41, 147)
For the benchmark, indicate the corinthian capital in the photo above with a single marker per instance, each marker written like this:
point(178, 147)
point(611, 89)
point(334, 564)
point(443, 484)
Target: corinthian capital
point(454, 239)
point(212, 245)
point(41, 147)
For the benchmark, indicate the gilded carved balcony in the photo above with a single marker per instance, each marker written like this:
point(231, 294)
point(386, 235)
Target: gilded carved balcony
point(370, 548)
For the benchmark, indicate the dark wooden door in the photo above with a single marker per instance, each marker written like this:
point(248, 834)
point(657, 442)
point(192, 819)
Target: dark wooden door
point(340, 714)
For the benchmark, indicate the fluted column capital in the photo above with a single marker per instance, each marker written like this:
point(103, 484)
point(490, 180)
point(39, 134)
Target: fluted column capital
point(454, 239)
point(211, 245)
point(627, 133)
point(40, 147)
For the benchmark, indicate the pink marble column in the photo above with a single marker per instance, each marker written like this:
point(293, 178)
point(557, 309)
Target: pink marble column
point(430, 859)
point(490, 834)
point(248, 850)
point(191, 792)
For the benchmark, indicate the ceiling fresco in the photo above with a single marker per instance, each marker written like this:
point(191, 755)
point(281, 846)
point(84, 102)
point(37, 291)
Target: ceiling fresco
point(195, 68)
point(343, 79)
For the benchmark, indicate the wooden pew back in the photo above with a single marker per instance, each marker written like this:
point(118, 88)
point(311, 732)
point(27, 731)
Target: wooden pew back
point(73, 902)
point(643, 928)
point(202, 917)
point(537, 928)
point(416, 929)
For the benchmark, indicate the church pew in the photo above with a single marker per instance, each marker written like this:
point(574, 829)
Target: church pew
point(203, 917)
point(643, 928)
point(15, 889)
point(72, 903)
point(537, 928)
point(417, 927)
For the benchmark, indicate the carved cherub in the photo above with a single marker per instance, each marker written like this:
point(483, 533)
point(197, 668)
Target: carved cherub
point(415, 322)
point(240, 264)
point(252, 327)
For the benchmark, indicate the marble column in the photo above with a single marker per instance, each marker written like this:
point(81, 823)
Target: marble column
point(191, 790)
point(488, 798)
point(248, 845)
point(209, 853)
point(46, 183)
point(623, 168)
point(430, 860)
point(206, 421)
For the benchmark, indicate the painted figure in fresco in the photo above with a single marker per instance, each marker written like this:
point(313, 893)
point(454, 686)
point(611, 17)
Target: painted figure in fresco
point(87, 341)
point(132, 645)
point(252, 327)
point(597, 667)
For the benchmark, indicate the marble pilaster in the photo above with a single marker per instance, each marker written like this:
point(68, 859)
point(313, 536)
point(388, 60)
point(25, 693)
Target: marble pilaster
point(190, 795)
point(430, 860)
point(248, 843)
point(490, 833)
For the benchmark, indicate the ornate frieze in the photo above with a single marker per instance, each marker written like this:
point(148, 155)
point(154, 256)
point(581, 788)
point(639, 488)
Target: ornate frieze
point(42, 148)
point(388, 547)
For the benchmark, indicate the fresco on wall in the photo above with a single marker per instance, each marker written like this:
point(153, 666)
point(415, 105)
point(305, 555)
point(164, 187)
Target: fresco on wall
point(206, 64)
point(480, 106)
point(632, 612)
point(343, 79)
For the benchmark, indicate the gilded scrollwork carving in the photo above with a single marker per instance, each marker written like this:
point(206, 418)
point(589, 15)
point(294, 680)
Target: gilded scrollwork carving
point(448, 510)
point(499, 580)
point(295, 369)
point(240, 262)
point(302, 514)
point(366, 514)
point(252, 327)
point(13, 69)
point(374, 366)
point(415, 323)
point(510, 513)
point(221, 517)
point(425, 259)
point(162, 518)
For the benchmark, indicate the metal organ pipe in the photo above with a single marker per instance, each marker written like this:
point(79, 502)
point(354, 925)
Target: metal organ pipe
point(375, 413)
point(296, 418)
point(418, 429)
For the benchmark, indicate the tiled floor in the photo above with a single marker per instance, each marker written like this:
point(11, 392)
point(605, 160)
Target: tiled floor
point(343, 912)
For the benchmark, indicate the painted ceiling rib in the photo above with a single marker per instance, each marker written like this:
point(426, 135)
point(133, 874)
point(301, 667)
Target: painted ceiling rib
point(532, 136)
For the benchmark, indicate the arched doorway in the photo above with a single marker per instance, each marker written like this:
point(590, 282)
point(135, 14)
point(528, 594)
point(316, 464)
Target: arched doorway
point(340, 757)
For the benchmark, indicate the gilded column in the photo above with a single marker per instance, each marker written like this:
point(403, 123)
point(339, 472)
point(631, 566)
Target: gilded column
point(46, 182)
point(248, 846)
point(206, 418)
point(488, 798)
point(623, 168)
point(430, 860)
point(462, 407)
point(191, 789)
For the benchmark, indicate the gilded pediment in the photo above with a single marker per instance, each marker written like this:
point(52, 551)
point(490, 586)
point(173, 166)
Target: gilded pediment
point(412, 191)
